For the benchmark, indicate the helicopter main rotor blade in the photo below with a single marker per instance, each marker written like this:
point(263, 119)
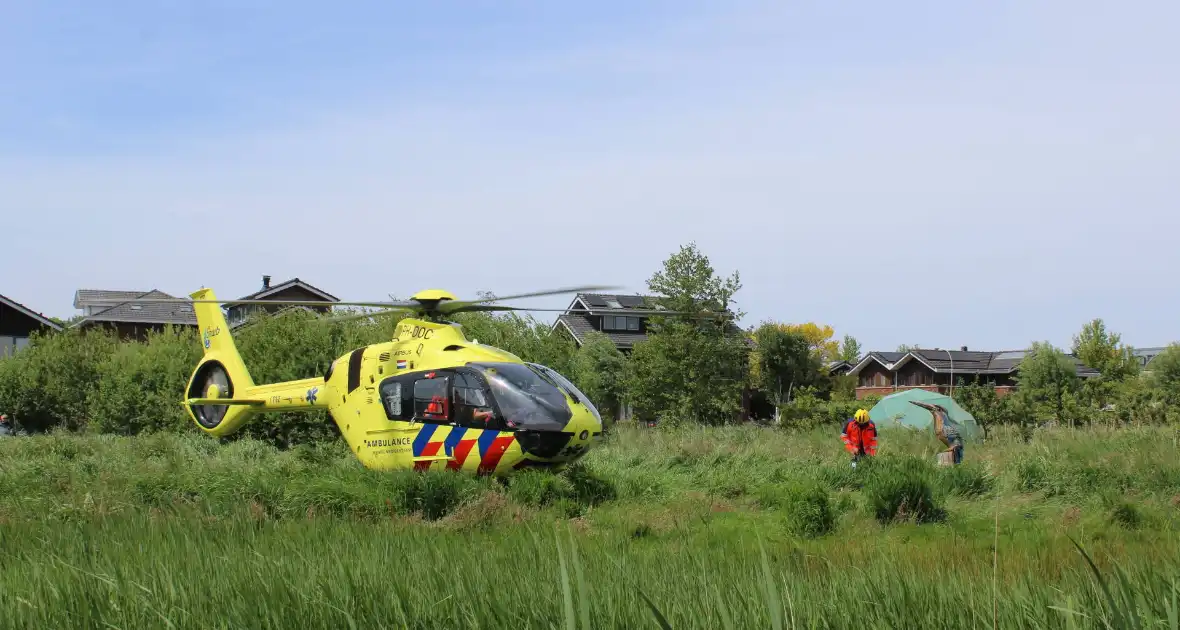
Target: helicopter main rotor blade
point(580, 311)
point(461, 305)
point(403, 304)
point(521, 296)
point(484, 308)
point(356, 316)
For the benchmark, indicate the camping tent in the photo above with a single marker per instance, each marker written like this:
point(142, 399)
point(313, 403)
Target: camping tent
point(895, 410)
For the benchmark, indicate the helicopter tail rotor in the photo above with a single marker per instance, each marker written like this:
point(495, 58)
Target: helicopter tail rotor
point(211, 382)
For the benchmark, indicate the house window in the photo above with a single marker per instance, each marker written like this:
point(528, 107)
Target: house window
point(7, 346)
point(620, 322)
point(918, 378)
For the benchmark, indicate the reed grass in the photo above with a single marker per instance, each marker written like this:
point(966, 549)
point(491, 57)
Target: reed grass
point(694, 528)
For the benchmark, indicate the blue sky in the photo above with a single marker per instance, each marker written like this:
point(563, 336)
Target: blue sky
point(934, 173)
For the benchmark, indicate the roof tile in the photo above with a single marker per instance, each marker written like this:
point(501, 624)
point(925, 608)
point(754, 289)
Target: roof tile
point(973, 362)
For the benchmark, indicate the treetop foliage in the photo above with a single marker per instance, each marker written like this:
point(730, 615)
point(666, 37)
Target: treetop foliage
point(689, 369)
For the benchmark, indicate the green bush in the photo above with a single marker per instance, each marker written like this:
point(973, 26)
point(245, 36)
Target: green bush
point(806, 507)
point(434, 494)
point(140, 385)
point(571, 491)
point(900, 489)
point(78, 380)
point(1127, 515)
point(538, 488)
point(588, 487)
point(48, 385)
point(807, 411)
point(966, 480)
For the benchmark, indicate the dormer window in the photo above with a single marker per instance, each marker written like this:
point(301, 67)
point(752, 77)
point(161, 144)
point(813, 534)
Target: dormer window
point(620, 322)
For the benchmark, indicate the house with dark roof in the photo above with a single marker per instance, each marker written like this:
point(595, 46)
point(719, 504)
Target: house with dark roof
point(882, 373)
point(291, 290)
point(615, 316)
point(838, 368)
point(622, 318)
point(17, 323)
point(131, 320)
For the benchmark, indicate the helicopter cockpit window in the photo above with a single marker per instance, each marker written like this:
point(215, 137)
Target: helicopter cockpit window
point(525, 398)
point(473, 403)
point(565, 384)
point(430, 398)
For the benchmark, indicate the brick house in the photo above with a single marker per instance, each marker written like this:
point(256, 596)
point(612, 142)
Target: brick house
point(882, 373)
point(17, 323)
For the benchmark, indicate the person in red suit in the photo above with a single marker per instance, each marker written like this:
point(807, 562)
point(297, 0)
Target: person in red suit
point(860, 436)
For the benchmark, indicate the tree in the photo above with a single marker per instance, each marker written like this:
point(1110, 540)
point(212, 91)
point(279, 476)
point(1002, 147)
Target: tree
point(1101, 350)
point(1165, 373)
point(690, 366)
point(524, 336)
point(1047, 379)
point(688, 282)
point(599, 369)
point(849, 349)
point(906, 347)
point(819, 339)
point(785, 361)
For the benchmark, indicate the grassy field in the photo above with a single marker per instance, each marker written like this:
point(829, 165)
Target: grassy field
point(713, 528)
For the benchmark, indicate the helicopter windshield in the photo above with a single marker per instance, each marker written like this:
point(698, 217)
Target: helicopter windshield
point(570, 388)
point(527, 399)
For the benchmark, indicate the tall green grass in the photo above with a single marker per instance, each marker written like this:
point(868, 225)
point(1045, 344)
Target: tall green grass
point(695, 528)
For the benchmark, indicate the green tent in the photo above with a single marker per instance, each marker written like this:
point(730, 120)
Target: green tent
point(895, 410)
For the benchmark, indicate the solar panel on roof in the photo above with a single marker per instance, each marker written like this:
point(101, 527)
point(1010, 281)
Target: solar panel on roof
point(630, 301)
point(595, 300)
point(613, 303)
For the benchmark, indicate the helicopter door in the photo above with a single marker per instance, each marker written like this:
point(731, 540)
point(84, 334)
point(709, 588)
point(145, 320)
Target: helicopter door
point(474, 407)
point(431, 398)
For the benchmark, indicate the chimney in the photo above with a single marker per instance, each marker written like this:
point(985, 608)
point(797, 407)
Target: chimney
point(964, 348)
point(265, 282)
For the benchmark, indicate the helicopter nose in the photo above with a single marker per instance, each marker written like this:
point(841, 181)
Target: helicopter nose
point(565, 445)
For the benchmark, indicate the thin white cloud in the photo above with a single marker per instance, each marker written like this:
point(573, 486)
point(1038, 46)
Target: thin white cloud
point(989, 198)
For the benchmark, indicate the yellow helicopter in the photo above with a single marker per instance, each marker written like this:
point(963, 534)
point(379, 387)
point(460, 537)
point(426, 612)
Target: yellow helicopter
point(427, 398)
